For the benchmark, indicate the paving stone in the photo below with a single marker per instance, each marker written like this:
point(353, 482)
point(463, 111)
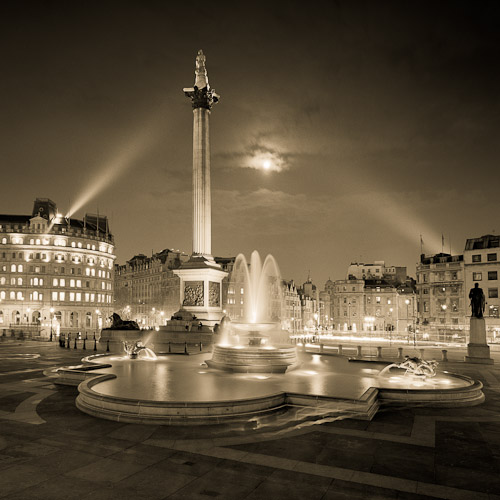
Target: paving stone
point(142, 454)
point(19, 477)
point(210, 485)
point(156, 482)
point(60, 488)
point(350, 460)
point(105, 469)
point(61, 461)
point(345, 490)
point(468, 479)
point(188, 463)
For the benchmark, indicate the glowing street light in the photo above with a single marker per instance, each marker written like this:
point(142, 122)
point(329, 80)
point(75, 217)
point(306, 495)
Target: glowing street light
point(51, 321)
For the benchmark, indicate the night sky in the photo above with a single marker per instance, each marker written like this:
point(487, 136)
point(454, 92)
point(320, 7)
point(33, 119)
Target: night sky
point(379, 121)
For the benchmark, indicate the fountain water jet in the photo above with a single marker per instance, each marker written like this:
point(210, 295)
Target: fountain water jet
point(249, 348)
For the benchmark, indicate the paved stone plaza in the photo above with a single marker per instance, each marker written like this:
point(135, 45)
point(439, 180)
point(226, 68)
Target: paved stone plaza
point(49, 449)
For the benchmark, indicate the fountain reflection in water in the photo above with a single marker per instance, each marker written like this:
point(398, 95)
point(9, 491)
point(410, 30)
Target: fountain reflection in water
point(251, 345)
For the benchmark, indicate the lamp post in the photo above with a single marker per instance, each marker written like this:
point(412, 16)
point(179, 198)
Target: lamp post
point(51, 321)
point(407, 302)
point(390, 327)
point(97, 312)
point(443, 308)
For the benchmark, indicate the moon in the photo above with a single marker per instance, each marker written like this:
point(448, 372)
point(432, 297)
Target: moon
point(266, 164)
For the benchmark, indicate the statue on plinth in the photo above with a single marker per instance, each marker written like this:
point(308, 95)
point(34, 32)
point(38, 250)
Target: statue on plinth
point(119, 324)
point(477, 301)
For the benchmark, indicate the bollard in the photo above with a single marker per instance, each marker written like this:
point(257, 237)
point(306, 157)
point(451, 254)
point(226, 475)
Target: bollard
point(201, 346)
point(321, 348)
point(360, 351)
point(95, 344)
point(84, 347)
point(400, 353)
point(107, 346)
point(340, 350)
point(169, 348)
point(379, 351)
point(421, 351)
point(74, 347)
point(69, 339)
point(444, 355)
point(185, 348)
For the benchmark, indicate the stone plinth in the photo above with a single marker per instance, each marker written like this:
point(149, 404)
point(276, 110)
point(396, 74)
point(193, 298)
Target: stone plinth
point(478, 351)
point(201, 289)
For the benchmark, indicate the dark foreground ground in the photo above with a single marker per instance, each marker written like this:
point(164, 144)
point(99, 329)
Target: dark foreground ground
point(50, 450)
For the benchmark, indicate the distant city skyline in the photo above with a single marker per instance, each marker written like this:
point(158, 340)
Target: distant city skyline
point(344, 132)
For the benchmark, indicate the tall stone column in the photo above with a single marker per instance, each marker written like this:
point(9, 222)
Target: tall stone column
point(201, 277)
point(202, 217)
point(202, 98)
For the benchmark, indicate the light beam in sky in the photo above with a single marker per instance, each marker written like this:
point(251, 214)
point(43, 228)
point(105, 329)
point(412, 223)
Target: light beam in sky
point(115, 167)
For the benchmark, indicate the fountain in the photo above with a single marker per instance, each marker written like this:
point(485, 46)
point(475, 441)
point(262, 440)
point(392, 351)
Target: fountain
point(133, 349)
point(414, 367)
point(250, 346)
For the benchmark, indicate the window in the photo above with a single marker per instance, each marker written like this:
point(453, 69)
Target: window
point(493, 293)
point(491, 257)
point(492, 275)
point(476, 258)
point(62, 295)
point(378, 300)
point(426, 291)
point(426, 306)
point(493, 311)
point(477, 276)
point(454, 275)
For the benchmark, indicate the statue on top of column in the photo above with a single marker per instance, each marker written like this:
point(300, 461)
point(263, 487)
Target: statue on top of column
point(201, 71)
point(477, 301)
point(201, 95)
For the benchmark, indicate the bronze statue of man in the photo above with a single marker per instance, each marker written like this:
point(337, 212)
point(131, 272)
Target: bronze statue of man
point(477, 301)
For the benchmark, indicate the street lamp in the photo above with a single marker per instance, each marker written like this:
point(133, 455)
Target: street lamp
point(51, 321)
point(390, 327)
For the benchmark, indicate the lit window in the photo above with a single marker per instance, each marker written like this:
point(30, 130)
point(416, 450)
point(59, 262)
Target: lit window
point(62, 295)
point(71, 296)
point(78, 297)
point(62, 282)
point(20, 268)
point(477, 276)
point(54, 295)
point(72, 283)
point(19, 295)
point(55, 282)
point(79, 283)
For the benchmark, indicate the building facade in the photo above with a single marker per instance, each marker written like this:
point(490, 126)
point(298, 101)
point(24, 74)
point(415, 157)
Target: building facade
point(56, 273)
point(146, 289)
point(482, 266)
point(441, 302)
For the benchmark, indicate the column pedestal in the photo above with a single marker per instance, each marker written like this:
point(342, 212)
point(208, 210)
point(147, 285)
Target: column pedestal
point(201, 289)
point(478, 351)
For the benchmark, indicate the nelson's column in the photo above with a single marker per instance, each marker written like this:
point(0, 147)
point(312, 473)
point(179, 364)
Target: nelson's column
point(201, 277)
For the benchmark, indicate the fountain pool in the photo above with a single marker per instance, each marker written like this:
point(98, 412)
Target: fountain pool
point(175, 390)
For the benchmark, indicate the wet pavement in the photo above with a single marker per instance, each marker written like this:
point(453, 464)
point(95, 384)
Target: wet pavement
point(50, 450)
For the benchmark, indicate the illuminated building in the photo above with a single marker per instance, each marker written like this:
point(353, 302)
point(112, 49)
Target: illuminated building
point(441, 304)
point(378, 270)
point(291, 318)
point(373, 305)
point(56, 273)
point(482, 266)
point(146, 289)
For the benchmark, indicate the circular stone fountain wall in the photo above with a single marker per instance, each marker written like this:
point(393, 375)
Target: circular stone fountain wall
point(254, 359)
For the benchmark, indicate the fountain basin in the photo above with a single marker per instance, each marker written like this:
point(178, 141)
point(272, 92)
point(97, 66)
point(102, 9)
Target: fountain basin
point(175, 391)
point(254, 359)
